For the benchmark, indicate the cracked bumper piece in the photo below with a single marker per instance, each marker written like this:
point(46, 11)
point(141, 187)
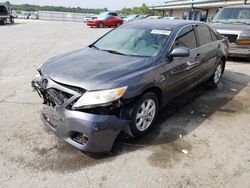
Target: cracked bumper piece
point(87, 132)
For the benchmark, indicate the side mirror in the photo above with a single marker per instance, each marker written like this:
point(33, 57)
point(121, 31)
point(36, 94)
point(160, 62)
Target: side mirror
point(180, 52)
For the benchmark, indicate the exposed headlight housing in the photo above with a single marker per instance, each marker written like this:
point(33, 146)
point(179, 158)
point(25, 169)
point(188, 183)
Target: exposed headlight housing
point(102, 97)
point(38, 75)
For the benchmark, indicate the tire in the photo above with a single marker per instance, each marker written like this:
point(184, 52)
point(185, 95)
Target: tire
point(143, 121)
point(100, 25)
point(216, 77)
point(118, 24)
point(12, 20)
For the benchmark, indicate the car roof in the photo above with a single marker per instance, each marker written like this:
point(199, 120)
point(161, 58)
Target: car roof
point(160, 23)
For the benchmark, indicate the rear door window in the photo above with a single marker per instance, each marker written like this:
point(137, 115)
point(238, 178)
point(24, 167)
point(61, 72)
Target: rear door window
point(203, 35)
point(186, 38)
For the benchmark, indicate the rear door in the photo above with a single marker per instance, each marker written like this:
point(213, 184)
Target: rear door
point(182, 71)
point(209, 48)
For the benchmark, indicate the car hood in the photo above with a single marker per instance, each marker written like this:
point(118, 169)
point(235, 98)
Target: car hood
point(230, 28)
point(92, 69)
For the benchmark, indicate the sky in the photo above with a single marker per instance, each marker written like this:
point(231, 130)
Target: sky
point(110, 4)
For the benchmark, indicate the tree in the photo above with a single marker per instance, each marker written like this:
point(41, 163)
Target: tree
point(140, 10)
point(36, 8)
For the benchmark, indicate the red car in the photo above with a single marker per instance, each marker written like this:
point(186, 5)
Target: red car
point(108, 21)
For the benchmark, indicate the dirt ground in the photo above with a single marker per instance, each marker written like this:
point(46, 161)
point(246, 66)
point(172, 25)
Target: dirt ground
point(214, 124)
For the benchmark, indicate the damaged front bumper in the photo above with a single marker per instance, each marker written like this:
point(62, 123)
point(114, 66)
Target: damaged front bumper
point(85, 131)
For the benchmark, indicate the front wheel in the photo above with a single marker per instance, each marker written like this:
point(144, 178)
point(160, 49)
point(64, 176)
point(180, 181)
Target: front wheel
point(144, 114)
point(216, 77)
point(100, 25)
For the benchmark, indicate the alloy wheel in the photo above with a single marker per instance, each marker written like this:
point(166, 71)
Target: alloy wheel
point(217, 73)
point(145, 115)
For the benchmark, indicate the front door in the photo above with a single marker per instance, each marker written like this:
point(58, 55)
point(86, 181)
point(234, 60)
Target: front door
point(181, 73)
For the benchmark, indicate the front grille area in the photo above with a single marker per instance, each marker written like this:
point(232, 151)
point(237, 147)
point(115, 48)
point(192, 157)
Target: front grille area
point(58, 97)
point(54, 95)
point(231, 38)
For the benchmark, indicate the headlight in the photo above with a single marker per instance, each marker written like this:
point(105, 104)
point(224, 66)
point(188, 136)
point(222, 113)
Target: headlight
point(38, 76)
point(93, 98)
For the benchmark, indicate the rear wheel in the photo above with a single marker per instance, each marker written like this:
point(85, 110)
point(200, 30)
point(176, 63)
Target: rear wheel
point(144, 114)
point(216, 77)
point(100, 25)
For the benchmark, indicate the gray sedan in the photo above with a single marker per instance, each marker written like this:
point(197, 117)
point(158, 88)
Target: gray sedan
point(120, 82)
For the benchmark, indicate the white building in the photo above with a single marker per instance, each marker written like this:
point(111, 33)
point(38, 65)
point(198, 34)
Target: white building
point(202, 10)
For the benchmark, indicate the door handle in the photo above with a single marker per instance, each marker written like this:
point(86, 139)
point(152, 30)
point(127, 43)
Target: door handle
point(189, 63)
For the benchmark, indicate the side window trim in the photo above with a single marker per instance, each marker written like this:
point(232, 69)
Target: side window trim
point(196, 35)
point(213, 33)
point(196, 39)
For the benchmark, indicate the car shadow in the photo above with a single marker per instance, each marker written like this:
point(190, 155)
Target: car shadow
point(186, 113)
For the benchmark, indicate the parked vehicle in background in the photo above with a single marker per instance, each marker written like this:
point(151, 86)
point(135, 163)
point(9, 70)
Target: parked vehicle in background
point(134, 17)
point(87, 18)
point(121, 81)
point(24, 15)
point(105, 21)
point(5, 15)
point(154, 17)
point(171, 18)
point(234, 23)
point(34, 16)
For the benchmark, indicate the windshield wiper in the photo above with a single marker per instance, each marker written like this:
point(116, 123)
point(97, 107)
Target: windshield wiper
point(110, 51)
point(114, 52)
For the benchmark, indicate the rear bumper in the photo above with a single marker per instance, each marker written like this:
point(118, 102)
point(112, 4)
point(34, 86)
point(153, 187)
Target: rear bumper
point(101, 130)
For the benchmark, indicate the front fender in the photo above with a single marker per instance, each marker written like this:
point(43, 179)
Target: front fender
point(141, 81)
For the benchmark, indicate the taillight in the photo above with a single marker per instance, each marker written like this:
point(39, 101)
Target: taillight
point(243, 42)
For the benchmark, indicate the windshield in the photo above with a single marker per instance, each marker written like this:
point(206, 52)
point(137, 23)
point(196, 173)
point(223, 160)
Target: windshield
point(133, 41)
point(233, 15)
